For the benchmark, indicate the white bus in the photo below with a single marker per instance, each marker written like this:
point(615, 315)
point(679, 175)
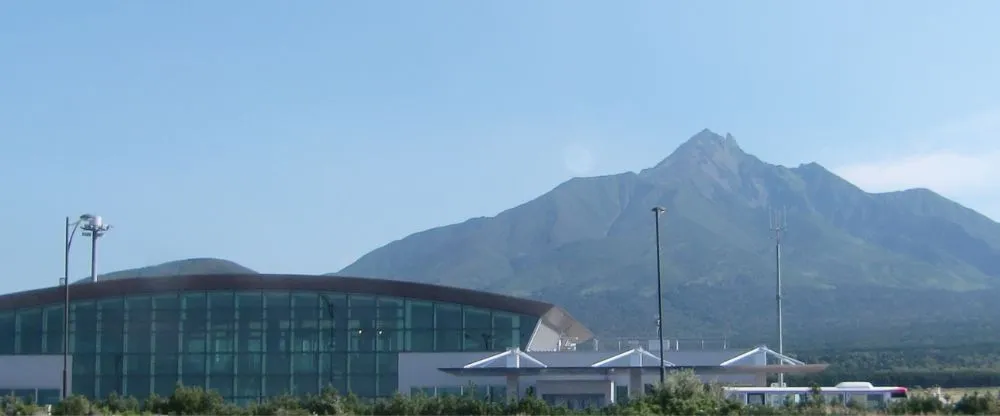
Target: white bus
point(842, 393)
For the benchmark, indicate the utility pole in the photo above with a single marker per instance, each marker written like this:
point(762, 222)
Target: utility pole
point(777, 219)
point(657, 211)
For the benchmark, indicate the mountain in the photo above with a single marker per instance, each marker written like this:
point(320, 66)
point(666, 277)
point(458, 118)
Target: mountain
point(851, 260)
point(196, 266)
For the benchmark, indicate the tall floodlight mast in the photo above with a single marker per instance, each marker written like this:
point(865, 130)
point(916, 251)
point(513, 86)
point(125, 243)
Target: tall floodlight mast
point(777, 219)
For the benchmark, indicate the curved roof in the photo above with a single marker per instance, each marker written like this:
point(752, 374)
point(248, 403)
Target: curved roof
point(553, 316)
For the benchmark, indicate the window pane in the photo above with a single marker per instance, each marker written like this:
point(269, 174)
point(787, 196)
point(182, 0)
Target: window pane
point(391, 324)
point(166, 313)
point(387, 384)
point(505, 331)
point(333, 321)
point(278, 319)
point(111, 364)
point(305, 323)
point(165, 342)
point(222, 363)
point(387, 362)
point(137, 386)
point(163, 384)
point(277, 363)
point(250, 317)
point(363, 385)
point(165, 364)
point(112, 315)
point(222, 314)
point(223, 383)
point(221, 342)
point(54, 329)
point(390, 339)
point(26, 395)
point(362, 322)
point(527, 327)
point(362, 340)
point(275, 384)
point(195, 312)
point(140, 309)
point(419, 314)
point(248, 385)
point(305, 302)
point(29, 326)
point(305, 383)
point(249, 364)
point(196, 342)
point(478, 330)
point(138, 328)
point(110, 383)
point(305, 363)
point(221, 300)
point(192, 364)
point(83, 321)
point(361, 363)
point(333, 366)
point(194, 380)
point(448, 316)
point(7, 330)
point(449, 339)
point(112, 325)
point(48, 396)
point(420, 340)
point(138, 364)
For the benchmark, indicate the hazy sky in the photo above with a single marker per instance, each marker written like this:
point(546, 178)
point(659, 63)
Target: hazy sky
point(297, 136)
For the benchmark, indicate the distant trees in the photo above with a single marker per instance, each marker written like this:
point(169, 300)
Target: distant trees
point(683, 394)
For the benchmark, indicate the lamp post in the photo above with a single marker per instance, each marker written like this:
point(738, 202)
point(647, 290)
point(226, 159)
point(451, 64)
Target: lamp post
point(659, 291)
point(67, 242)
point(94, 228)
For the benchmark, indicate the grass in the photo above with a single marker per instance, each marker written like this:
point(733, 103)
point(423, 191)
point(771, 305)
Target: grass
point(958, 392)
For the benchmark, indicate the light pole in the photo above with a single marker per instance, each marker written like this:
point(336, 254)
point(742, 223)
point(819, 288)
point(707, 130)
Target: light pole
point(94, 228)
point(659, 291)
point(68, 241)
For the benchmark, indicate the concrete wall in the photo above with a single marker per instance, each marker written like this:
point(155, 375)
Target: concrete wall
point(33, 372)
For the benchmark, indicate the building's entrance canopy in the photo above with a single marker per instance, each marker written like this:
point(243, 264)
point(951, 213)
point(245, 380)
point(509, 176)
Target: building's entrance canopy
point(517, 362)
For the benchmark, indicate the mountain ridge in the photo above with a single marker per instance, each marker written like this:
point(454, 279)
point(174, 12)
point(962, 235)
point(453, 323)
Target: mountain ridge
point(852, 260)
point(589, 235)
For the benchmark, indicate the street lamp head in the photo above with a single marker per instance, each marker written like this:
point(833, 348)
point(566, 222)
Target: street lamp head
point(659, 210)
point(86, 217)
point(94, 223)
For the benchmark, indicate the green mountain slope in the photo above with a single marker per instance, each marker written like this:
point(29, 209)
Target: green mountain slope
point(850, 258)
point(196, 266)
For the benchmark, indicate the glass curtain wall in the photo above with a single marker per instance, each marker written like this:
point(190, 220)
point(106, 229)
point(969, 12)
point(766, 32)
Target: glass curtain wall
point(248, 345)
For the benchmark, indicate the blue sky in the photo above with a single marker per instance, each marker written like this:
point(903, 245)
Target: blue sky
point(297, 136)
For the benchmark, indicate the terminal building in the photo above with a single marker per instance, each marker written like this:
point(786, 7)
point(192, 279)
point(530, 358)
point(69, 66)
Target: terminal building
point(254, 336)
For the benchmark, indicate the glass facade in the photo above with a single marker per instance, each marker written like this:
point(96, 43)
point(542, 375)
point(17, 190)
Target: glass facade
point(253, 344)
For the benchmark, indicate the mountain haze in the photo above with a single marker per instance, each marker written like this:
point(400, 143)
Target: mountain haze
point(589, 244)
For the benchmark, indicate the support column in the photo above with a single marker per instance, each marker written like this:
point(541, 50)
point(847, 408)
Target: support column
point(513, 388)
point(635, 386)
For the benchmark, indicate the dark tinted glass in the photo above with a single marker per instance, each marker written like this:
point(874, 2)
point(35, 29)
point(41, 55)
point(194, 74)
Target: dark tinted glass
point(252, 344)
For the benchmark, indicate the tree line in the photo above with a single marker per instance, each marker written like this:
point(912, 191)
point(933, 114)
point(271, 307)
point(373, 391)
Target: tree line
point(682, 394)
point(975, 365)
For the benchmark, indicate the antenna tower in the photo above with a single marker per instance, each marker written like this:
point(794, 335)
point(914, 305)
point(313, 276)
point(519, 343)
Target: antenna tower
point(778, 225)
